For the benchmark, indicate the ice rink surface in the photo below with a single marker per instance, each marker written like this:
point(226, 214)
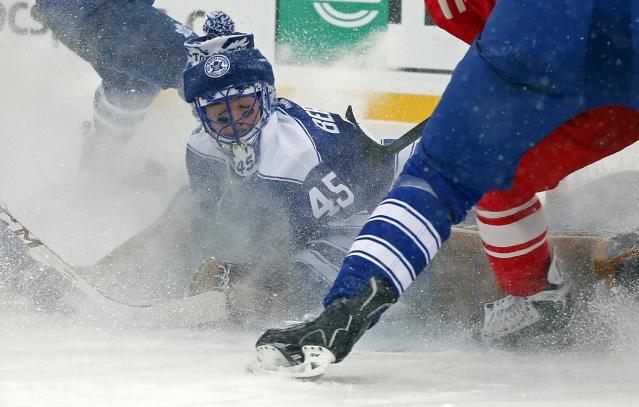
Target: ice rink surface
point(91, 361)
point(52, 362)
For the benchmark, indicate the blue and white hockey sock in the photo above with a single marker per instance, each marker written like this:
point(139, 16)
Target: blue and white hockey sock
point(396, 243)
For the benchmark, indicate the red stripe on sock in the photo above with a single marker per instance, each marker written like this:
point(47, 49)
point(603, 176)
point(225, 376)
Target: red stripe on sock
point(515, 248)
point(507, 220)
point(523, 275)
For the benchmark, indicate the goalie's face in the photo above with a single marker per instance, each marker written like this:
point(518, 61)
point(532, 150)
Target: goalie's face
point(234, 118)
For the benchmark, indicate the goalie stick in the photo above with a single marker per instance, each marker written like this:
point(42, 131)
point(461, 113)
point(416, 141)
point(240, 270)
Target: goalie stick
point(378, 153)
point(205, 307)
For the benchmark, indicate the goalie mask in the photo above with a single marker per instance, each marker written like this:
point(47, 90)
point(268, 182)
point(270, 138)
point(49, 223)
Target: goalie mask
point(234, 117)
point(231, 87)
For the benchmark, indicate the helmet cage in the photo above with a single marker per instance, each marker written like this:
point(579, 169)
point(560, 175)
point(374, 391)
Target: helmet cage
point(242, 130)
point(241, 142)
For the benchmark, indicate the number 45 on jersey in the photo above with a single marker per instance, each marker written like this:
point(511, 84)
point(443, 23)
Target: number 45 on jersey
point(334, 198)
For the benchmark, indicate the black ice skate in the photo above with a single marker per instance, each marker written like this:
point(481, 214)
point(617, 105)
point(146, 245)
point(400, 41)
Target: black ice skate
point(536, 320)
point(305, 350)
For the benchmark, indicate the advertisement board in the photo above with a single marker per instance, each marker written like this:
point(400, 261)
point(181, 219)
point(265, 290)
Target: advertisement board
point(16, 18)
point(324, 30)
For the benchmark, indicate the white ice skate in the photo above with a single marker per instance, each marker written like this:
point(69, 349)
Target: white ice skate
point(514, 320)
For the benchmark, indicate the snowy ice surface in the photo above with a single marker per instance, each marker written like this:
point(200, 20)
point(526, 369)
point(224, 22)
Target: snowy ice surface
point(76, 361)
point(52, 362)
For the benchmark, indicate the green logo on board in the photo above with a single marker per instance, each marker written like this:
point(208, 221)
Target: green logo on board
point(322, 30)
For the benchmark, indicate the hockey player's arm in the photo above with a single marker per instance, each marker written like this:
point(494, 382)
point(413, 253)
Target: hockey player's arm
point(464, 19)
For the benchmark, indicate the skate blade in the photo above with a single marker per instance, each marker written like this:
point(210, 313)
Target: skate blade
point(270, 361)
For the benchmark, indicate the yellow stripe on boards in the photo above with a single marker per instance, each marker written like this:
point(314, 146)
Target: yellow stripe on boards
point(400, 107)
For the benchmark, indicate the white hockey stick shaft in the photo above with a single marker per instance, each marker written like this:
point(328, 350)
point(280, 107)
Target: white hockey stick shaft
point(206, 307)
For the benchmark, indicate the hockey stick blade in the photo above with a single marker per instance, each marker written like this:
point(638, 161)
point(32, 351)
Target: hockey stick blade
point(270, 361)
point(203, 308)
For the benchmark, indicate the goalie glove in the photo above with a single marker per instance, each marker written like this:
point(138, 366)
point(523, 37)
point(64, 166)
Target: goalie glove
point(212, 275)
point(249, 289)
point(305, 350)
